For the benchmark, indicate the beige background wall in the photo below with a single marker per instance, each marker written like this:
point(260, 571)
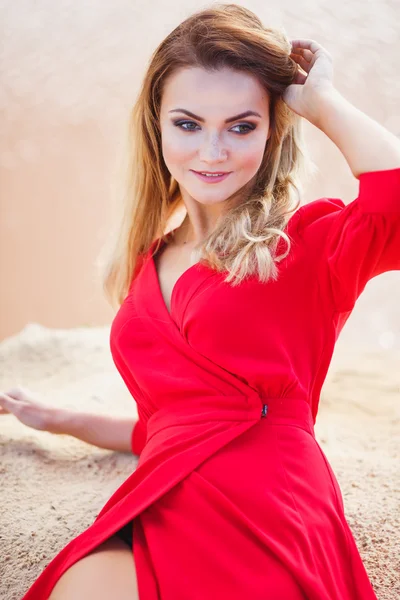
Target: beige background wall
point(70, 73)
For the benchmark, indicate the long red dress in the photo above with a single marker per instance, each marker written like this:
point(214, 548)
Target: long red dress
point(232, 496)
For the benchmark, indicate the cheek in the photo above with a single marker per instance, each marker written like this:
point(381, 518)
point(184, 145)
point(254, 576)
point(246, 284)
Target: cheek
point(176, 150)
point(250, 155)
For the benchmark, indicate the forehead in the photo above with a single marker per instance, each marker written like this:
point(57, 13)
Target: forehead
point(204, 91)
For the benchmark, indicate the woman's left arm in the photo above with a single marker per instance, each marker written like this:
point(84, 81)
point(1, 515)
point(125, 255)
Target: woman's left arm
point(366, 145)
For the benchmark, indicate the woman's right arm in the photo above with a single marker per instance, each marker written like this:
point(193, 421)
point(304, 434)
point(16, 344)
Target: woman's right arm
point(123, 434)
point(104, 431)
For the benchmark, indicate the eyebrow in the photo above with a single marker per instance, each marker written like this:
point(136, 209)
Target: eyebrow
point(247, 113)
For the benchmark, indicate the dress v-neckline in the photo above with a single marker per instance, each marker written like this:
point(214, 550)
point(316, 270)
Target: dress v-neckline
point(181, 277)
point(190, 270)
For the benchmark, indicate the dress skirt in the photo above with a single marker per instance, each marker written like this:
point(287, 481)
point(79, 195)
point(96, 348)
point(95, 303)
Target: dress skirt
point(230, 499)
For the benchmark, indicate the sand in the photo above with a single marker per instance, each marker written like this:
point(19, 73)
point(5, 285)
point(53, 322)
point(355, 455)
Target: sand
point(54, 486)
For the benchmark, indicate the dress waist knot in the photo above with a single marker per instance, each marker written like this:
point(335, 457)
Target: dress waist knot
point(206, 411)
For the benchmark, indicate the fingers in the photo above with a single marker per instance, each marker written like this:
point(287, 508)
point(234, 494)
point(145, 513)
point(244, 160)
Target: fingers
point(16, 392)
point(302, 62)
point(6, 404)
point(304, 53)
point(310, 50)
point(308, 54)
point(19, 394)
point(311, 45)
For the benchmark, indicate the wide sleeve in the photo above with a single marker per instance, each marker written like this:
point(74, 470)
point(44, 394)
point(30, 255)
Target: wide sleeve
point(139, 434)
point(363, 237)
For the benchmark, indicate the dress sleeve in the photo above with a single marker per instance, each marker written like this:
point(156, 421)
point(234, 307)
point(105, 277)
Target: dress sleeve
point(139, 433)
point(138, 437)
point(363, 238)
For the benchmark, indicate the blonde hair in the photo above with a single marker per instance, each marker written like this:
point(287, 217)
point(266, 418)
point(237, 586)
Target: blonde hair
point(244, 240)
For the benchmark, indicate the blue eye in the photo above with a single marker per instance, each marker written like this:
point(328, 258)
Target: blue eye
point(249, 126)
point(179, 123)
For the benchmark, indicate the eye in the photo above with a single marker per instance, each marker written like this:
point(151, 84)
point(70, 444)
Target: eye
point(179, 123)
point(249, 126)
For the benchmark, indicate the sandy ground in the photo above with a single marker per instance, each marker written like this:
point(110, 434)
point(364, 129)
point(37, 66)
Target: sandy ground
point(54, 486)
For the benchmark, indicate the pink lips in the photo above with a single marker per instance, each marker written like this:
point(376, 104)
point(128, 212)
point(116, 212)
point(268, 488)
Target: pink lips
point(212, 178)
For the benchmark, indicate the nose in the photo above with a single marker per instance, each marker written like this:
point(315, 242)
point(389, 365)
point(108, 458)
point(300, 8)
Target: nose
point(212, 149)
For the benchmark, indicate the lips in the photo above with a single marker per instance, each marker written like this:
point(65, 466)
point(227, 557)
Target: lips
point(212, 172)
point(211, 178)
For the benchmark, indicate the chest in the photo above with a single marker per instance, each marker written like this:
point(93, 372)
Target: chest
point(171, 263)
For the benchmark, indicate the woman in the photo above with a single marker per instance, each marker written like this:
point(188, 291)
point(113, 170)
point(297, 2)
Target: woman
point(226, 326)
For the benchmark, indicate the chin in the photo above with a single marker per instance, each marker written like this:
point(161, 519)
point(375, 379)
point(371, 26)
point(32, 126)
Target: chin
point(211, 196)
point(208, 200)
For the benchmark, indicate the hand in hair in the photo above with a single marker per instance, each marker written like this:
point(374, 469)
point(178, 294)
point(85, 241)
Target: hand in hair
point(313, 79)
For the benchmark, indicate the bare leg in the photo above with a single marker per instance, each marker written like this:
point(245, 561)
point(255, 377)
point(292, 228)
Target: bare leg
point(107, 572)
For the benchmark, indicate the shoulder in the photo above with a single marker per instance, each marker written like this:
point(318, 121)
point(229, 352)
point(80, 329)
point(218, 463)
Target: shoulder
point(316, 214)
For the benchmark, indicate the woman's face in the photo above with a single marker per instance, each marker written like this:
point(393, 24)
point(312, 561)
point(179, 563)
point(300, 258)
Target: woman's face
point(204, 141)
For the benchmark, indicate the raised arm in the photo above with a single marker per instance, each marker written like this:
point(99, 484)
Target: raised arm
point(366, 145)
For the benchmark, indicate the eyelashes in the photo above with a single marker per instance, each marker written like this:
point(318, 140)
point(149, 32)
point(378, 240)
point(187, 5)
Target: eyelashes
point(250, 127)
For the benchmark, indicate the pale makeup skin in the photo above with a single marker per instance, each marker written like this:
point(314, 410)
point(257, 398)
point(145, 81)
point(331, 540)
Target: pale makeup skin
point(212, 145)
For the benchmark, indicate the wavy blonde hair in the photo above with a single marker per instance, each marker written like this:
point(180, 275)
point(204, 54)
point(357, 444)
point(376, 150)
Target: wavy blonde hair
point(245, 239)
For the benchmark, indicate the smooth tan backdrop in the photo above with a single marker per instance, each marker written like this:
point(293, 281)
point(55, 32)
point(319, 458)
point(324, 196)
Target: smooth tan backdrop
point(70, 75)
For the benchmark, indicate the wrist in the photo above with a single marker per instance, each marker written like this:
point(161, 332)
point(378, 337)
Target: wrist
point(60, 421)
point(329, 102)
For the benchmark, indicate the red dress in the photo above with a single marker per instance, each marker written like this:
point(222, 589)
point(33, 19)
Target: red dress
point(232, 496)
